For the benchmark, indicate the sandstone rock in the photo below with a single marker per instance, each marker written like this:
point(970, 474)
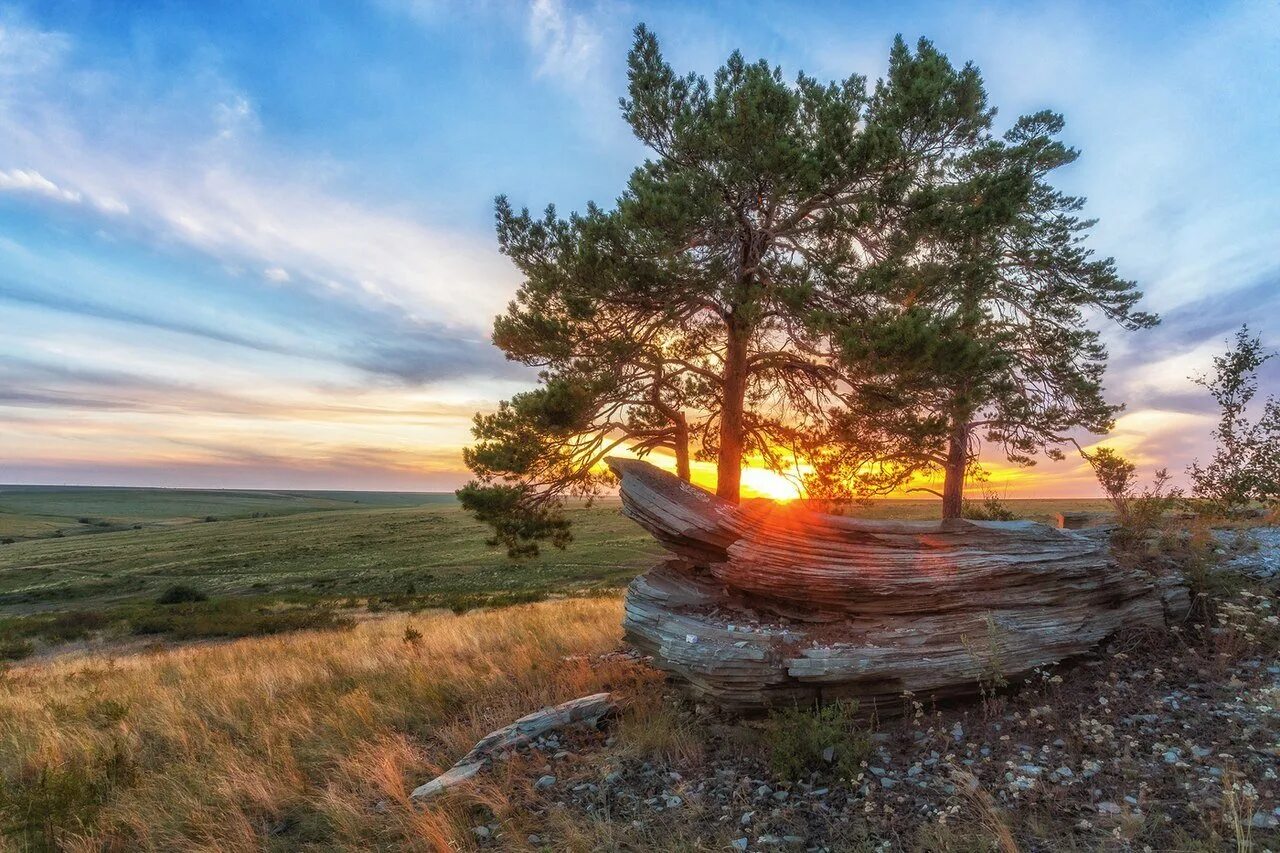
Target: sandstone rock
point(826, 607)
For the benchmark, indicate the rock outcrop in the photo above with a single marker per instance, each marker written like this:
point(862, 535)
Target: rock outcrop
point(764, 604)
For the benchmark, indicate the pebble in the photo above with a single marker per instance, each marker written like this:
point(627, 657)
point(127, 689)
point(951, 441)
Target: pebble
point(544, 782)
point(480, 831)
point(739, 843)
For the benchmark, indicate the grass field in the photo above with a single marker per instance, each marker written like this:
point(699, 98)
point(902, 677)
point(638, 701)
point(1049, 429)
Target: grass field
point(39, 511)
point(273, 561)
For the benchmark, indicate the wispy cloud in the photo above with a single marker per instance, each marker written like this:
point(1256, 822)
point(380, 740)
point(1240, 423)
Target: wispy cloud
point(222, 190)
point(566, 44)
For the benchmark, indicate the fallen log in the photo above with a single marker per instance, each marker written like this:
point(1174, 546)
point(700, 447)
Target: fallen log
point(588, 710)
point(764, 604)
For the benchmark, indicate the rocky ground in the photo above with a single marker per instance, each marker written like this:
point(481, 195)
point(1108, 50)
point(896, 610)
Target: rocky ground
point(1166, 741)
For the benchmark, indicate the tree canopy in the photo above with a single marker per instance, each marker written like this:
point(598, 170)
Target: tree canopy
point(848, 272)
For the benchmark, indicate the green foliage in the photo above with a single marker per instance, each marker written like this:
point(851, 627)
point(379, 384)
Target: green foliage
point(1246, 461)
point(231, 618)
point(978, 324)
point(799, 740)
point(697, 316)
point(181, 594)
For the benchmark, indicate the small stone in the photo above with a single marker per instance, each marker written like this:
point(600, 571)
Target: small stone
point(739, 843)
point(544, 782)
point(534, 839)
point(763, 791)
point(1107, 807)
point(480, 831)
point(886, 782)
point(560, 756)
point(691, 638)
point(829, 754)
point(1065, 772)
point(674, 802)
point(793, 839)
point(1170, 757)
point(780, 795)
point(746, 818)
point(613, 777)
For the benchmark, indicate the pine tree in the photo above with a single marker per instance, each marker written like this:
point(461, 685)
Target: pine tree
point(770, 219)
point(983, 328)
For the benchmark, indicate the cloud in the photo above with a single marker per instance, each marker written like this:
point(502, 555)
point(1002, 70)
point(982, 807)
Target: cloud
point(565, 43)
point(198, 174)
point(33, 183)
point(279, 275)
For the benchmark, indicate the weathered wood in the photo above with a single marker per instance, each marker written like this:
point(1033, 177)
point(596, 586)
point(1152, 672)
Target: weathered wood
point(588, 710)
point(765, 604)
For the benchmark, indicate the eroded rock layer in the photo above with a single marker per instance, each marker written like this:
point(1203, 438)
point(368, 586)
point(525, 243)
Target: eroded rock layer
point(764, 604)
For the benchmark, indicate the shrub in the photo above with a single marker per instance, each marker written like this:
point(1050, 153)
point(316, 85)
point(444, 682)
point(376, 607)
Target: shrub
point(7, 540)
point(15, 649)
point(803, 740)
point(181, 594)
point(992, 507)
point(1140, 513)
point(1246, 461)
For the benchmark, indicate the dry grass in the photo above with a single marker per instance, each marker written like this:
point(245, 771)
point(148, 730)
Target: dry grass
point(288, 742)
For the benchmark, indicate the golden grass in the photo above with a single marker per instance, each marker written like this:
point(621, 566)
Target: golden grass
point(283, 742)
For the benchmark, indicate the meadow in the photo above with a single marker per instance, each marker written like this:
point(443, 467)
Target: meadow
point(395, 638)
point(95, 562)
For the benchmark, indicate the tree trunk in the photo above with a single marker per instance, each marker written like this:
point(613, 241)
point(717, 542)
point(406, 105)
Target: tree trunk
point(682, 448)
point(729, 461)
point(957, 462)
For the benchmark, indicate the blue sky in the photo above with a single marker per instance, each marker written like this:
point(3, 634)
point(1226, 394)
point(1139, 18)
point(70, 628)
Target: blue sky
point(250, 244)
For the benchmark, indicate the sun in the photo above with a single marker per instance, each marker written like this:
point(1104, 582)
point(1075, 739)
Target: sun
point(763, 483)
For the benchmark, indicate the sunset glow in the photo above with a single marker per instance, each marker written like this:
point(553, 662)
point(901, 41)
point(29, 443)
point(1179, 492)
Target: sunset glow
point(275, 267)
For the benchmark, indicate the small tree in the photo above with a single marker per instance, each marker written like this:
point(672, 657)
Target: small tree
point(1140, 513)
point(1246, 461)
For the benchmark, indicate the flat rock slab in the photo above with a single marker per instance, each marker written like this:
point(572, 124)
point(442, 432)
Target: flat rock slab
point(766, 604)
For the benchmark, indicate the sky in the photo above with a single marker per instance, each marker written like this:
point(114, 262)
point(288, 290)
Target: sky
point(250, 245)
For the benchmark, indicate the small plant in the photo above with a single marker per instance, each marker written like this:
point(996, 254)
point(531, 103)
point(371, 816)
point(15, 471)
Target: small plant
point(992, 506)
point(986, 653)
point(802, 740)
point(412, 636)
point(181, 594)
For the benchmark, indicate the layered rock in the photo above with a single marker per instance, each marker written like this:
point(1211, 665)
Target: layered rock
point(764, 604)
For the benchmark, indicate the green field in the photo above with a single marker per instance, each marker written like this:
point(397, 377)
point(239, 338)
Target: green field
point(39, 511)
point(265, 553)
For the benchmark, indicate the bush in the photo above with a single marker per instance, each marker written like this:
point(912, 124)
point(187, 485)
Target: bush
point(829, 737)
point(197, 620)
point(181, 594)
point(992, 507)
point(1141, 514)
point(15, 649)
